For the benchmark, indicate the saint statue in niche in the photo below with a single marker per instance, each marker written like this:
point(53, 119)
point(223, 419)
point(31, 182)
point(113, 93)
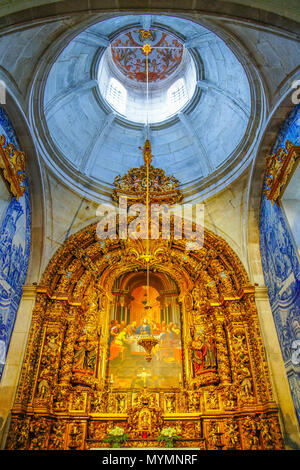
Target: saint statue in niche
point(85, 354)
point(204, 355)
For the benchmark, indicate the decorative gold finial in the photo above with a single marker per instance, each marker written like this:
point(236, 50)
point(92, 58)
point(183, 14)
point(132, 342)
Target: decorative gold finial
point(146, 49)
point(147, 152)
point(146, 34)
point(162, 188)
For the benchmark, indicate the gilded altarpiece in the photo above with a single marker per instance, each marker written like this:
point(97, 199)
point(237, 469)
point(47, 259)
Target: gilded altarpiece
point(66, 397)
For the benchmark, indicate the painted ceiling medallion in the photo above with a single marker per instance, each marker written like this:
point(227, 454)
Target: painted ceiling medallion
point(165, 57)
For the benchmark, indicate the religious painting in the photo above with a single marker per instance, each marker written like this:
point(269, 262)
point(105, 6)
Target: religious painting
point(127, 366)
point(165, 57)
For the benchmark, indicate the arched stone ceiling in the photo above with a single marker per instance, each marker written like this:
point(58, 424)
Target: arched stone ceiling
point(209, 138)
point(271, 10)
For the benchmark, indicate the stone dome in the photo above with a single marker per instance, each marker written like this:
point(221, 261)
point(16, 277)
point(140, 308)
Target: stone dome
point(89, 139)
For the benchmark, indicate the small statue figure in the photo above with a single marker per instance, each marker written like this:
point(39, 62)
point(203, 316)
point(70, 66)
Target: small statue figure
point(230, 399)
point(245, 381)
point(85, 354)
point(75, 436)
point(265, 433)
point(212, 401)
point(99, 402)
point(220, 274)
point(43, 387)
point(210, 285)
point(193, 401)
point(57, 436)
point(200, 298)
point(240, 343)
point(170, 402)
point(251, 433)
point(121, 402)
point(232, 434)
point(60, 399)
point(78, 401)
point(214, 435)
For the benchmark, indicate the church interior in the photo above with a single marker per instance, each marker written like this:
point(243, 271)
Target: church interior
point(124, 321)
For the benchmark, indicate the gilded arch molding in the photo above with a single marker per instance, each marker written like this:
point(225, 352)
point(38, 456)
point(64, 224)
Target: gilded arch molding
point(60, 405)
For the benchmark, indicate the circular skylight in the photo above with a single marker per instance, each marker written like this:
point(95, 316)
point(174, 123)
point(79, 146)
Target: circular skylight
point(123, 72)
point(203, 115)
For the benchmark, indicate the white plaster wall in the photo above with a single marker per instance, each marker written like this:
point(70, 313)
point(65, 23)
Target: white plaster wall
point(276, 54)
point(20, 60)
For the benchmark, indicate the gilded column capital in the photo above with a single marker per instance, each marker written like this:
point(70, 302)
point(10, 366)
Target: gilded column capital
point(29, 291)
point(261, 293)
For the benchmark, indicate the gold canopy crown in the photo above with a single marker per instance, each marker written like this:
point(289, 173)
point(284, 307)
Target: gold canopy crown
point(133, 185)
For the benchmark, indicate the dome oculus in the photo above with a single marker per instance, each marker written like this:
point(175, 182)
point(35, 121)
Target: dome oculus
point(122, 75)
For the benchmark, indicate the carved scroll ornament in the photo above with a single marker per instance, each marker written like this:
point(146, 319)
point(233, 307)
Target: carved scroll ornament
point(12, 163)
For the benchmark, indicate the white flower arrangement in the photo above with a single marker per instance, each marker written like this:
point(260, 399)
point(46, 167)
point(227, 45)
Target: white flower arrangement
point(168, 432)
point(116, 436)
point(117, 431)
point(168, 435)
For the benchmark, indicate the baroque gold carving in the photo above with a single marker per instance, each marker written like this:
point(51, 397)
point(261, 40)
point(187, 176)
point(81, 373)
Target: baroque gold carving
point(279, 168)
point(145, 418)
point(132, 185)
point(57, 435)
point(224, 397)
point(232, 435)
point(76, 434)
point(12, 163)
